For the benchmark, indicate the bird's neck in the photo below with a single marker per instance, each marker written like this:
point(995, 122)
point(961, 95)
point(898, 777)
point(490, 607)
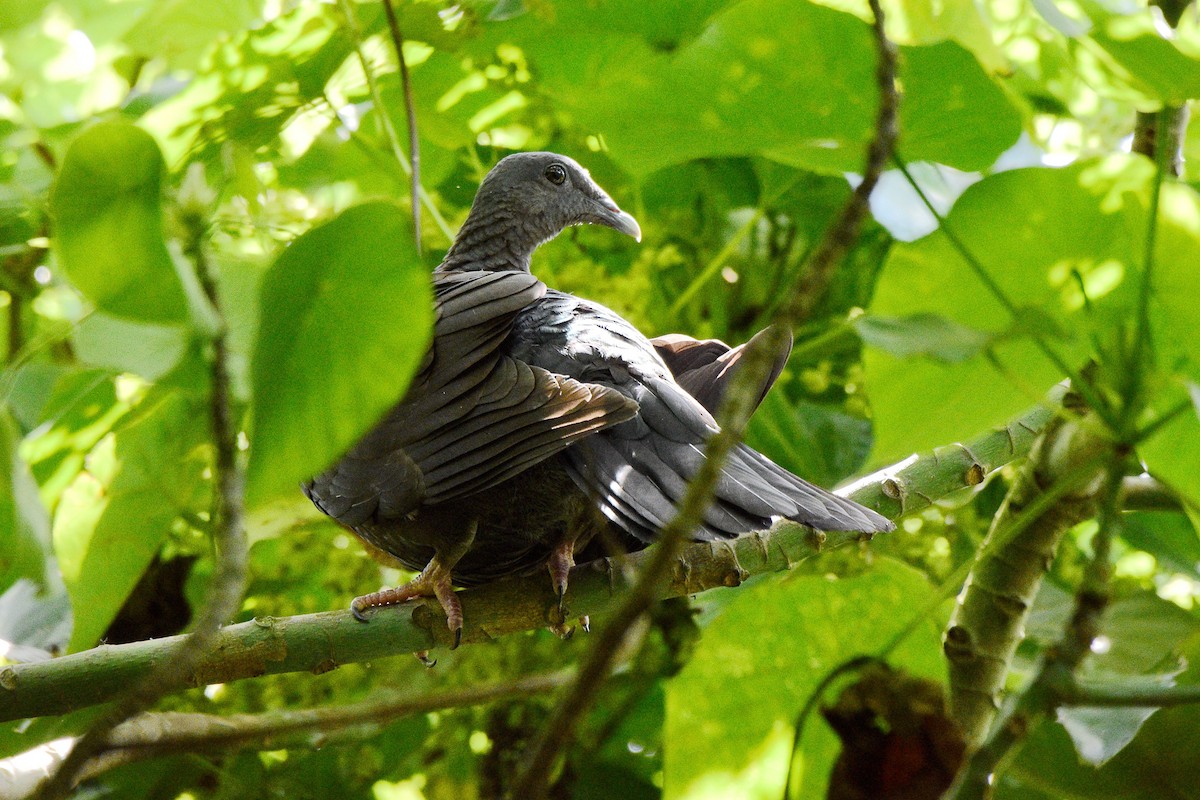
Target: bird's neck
point(495, 239)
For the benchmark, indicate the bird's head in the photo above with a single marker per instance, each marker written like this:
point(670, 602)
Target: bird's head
point(527, 199)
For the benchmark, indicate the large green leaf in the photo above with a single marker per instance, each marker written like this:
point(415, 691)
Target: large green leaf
point(791, 80)
point(346, 314)
point(107, 207)
point(1033, 230)
point(731, 710)
point(115, 515)
point(1173, 453)
point(1153, 64)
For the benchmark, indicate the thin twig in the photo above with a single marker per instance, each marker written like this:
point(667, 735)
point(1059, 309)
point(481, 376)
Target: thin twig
point(389, 130)
point(228, 583)
point(410, 111)
point(845, 668)
point(736, 409)
point(1072, 691)
point(155, 734)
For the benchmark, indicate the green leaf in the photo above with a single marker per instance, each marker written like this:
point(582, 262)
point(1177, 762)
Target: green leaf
point(346, 316)
point(793, 81)
point(1167, 535)
point(24, 527)
point(1039, 234)
point(179, 31)
point(15, 14)
point(115, 515)
point(1176, 282)
point(923, 334)
point(731, 710)
point(1101, 733)
point(141, 348)
point(107, 206)
point(1151, 767)
point(1172, 453)
point(1155, 65)
point(952, 113)
point(1144, 632)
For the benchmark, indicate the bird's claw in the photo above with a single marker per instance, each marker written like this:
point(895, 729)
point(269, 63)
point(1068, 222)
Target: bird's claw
point(434, 581)
point(426, 661)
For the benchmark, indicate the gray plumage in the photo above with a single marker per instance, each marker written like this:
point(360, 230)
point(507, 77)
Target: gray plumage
point(539, 419)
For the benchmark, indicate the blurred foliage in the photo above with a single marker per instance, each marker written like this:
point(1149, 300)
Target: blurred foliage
point(729, 128)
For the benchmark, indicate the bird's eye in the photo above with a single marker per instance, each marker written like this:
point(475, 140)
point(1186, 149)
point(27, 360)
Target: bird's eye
point(556, 174)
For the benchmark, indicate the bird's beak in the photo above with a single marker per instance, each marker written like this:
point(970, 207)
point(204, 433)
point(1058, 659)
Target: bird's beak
point(618, 220)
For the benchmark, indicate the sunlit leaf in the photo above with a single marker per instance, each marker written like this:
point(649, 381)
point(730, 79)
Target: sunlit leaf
point(1055, 242)
point(792, 80)
point(181, 30)
point(108, 208)
point(142, 348)
point(115, 515)
point(346, 315)
point(1156, 65)
point(773, 643)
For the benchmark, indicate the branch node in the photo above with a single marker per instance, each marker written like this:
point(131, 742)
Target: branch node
point(974, 475)
point(894, 488)
point(817, 540)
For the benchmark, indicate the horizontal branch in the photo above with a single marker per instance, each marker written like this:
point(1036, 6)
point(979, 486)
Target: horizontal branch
point(158, 733)
point(320, 642)
point(1072, 691)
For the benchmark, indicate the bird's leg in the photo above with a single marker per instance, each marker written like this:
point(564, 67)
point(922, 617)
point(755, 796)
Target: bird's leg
point(560, 562)
point(562, 558)
point(434, 581)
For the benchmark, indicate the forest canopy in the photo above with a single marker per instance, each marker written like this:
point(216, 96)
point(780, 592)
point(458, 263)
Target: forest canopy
point(216, 237)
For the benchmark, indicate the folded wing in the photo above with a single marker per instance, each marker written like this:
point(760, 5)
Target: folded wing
point(473, 416)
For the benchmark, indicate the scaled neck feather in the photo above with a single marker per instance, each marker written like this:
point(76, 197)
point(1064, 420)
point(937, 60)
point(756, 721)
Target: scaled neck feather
point(497, 237)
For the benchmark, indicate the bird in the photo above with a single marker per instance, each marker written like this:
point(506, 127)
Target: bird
point(539, 420)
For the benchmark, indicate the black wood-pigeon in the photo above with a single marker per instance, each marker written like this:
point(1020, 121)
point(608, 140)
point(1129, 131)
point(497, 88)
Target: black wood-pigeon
point(539, 419)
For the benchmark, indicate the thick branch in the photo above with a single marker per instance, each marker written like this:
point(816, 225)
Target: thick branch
point(1041, 695)
point(321, 642)
point(989, 620)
